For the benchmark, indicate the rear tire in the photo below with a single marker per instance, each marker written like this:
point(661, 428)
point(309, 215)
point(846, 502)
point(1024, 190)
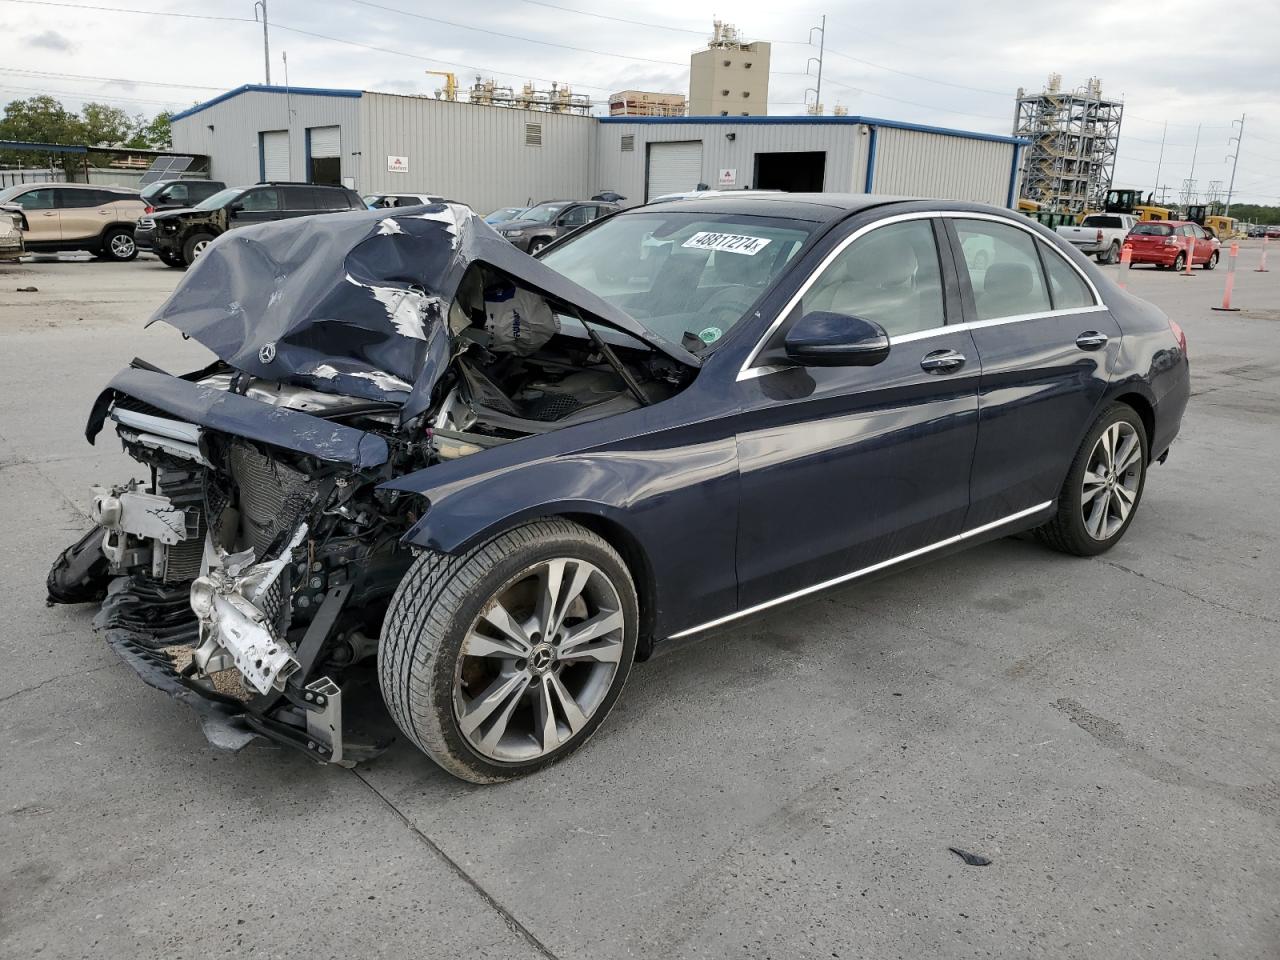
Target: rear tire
point(1112, 255)
point(1103, 488)
point(118, 245)
point(1179, 262)
point(467, 671)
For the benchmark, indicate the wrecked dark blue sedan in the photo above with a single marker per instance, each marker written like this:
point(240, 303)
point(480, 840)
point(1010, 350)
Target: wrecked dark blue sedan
point(434, 481)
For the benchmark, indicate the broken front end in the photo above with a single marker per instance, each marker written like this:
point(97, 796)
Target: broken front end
point(248, 568)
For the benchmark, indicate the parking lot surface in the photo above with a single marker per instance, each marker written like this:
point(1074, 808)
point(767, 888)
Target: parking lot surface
point(1106, 731)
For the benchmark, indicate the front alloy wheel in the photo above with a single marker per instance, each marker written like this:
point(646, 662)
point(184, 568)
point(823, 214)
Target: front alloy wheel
point(539, 660)
point(1103, 486)
point(501, 660)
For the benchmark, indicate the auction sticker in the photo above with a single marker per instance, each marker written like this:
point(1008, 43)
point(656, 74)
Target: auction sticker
point(728, 242)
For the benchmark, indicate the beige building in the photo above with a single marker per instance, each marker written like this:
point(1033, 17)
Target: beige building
point(642, 103)
point(729, 78)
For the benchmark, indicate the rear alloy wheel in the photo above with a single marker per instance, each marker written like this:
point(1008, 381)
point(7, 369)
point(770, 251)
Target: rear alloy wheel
point(195, 246)
point(117, 244)
point(1179, 262)
point(1103, 486)
point(1212, 261)
point(507, 658)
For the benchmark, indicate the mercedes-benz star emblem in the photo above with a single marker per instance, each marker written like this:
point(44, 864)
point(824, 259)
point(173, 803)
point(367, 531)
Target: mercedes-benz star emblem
point(267, 353)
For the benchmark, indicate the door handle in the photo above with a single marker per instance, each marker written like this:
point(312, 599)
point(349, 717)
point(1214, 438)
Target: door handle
point(1091, 340)
point(942, 361)
point(49, 213)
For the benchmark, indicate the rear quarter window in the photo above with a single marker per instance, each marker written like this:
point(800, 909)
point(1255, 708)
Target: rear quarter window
point(1152, 230)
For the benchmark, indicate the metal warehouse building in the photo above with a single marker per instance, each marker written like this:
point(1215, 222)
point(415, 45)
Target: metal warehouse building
point(490, 157)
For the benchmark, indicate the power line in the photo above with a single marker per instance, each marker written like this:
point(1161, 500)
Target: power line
point(87, 98)
point(512, 36)
point(917, 76)
point(605, 16)
point(77, 76)
point(146, 13)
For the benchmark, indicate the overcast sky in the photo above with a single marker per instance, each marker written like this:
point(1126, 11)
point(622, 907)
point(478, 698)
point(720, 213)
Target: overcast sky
point(941, 62)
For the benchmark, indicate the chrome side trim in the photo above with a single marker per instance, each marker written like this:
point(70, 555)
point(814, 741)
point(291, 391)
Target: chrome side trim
point(836, 581)
point(748, 372)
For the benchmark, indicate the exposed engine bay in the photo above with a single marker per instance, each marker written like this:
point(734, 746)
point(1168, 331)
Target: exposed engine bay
point(247, 568)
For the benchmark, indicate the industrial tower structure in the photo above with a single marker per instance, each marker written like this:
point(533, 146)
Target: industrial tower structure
point(1068, 165)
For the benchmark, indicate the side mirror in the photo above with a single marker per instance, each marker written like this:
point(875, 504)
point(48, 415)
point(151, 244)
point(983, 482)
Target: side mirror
point(235, 208)
point(836, 340)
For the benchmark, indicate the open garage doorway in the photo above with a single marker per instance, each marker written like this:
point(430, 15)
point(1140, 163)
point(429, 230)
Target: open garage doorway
point(793, 172)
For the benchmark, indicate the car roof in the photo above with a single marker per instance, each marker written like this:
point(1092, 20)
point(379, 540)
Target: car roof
point(820, 207)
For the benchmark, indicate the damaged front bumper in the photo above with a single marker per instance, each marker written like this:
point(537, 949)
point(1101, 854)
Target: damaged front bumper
point(153, 630)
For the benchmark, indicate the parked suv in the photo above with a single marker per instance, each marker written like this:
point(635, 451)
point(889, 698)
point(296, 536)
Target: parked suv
point(173, 194)
point(539, 225)
point(181, 235)
point(78, 216)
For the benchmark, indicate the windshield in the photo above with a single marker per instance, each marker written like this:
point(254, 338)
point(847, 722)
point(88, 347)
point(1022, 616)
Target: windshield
point(681, 273)
point(543, 212)
point(220, 199)
point(503, 215)
point(1152, 230)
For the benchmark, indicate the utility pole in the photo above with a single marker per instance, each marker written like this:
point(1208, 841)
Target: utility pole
point(1160, 162)
point(822, 46)
point(1194, 151)
point(1235, 160)
point(266, 45)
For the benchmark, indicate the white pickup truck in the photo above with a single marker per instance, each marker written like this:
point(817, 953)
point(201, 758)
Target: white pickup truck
point(1100, 235)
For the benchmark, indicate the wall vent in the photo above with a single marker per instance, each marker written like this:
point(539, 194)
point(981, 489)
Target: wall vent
point(533, 134)
point(628, 143)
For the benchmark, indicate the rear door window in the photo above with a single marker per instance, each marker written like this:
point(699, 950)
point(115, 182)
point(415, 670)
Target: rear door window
point(1004, 269)
point(1066, 287)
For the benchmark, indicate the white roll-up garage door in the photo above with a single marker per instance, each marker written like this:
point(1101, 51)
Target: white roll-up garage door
point(275, 155)
point(673, 167)
point(326, 141)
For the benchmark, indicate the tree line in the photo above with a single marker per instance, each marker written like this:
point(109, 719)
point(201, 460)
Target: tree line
point(43, 119)
point(1255, 213)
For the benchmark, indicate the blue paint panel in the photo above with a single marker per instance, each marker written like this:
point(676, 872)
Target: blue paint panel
point(819, 121)
point(306, 158)
point(41, 147)
point(871, 163)
point(1013, 175)
point(262, 159)
point(262, 88)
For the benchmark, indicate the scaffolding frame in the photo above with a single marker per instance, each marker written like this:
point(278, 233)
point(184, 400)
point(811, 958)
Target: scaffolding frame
point(1070, 160)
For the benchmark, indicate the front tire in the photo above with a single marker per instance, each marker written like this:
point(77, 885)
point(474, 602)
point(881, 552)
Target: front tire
point(1212, 261)
point(536, 244)
point(1100, 496)
point(507, 658)
point(118, 245)
point(195, 246)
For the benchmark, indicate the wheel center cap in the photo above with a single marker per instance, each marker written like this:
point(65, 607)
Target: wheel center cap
point(541, 658)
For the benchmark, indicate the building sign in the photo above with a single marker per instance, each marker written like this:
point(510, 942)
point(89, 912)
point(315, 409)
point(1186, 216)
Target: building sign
point(728, 178)
point(397, 164)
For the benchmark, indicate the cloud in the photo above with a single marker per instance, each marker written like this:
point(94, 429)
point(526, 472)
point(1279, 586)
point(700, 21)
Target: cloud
point(51, 40)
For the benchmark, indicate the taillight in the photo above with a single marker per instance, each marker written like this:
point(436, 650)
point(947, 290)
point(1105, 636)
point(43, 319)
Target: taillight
point(1170, 242)
point(149, 209)
point(1099, 240)
point(1179, 335)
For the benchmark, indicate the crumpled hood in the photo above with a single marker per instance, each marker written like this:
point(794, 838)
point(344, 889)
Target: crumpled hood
point(357, 303)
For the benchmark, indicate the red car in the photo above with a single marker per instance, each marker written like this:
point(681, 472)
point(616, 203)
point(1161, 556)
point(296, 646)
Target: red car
point(1272, 233)
point(1165, 243)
